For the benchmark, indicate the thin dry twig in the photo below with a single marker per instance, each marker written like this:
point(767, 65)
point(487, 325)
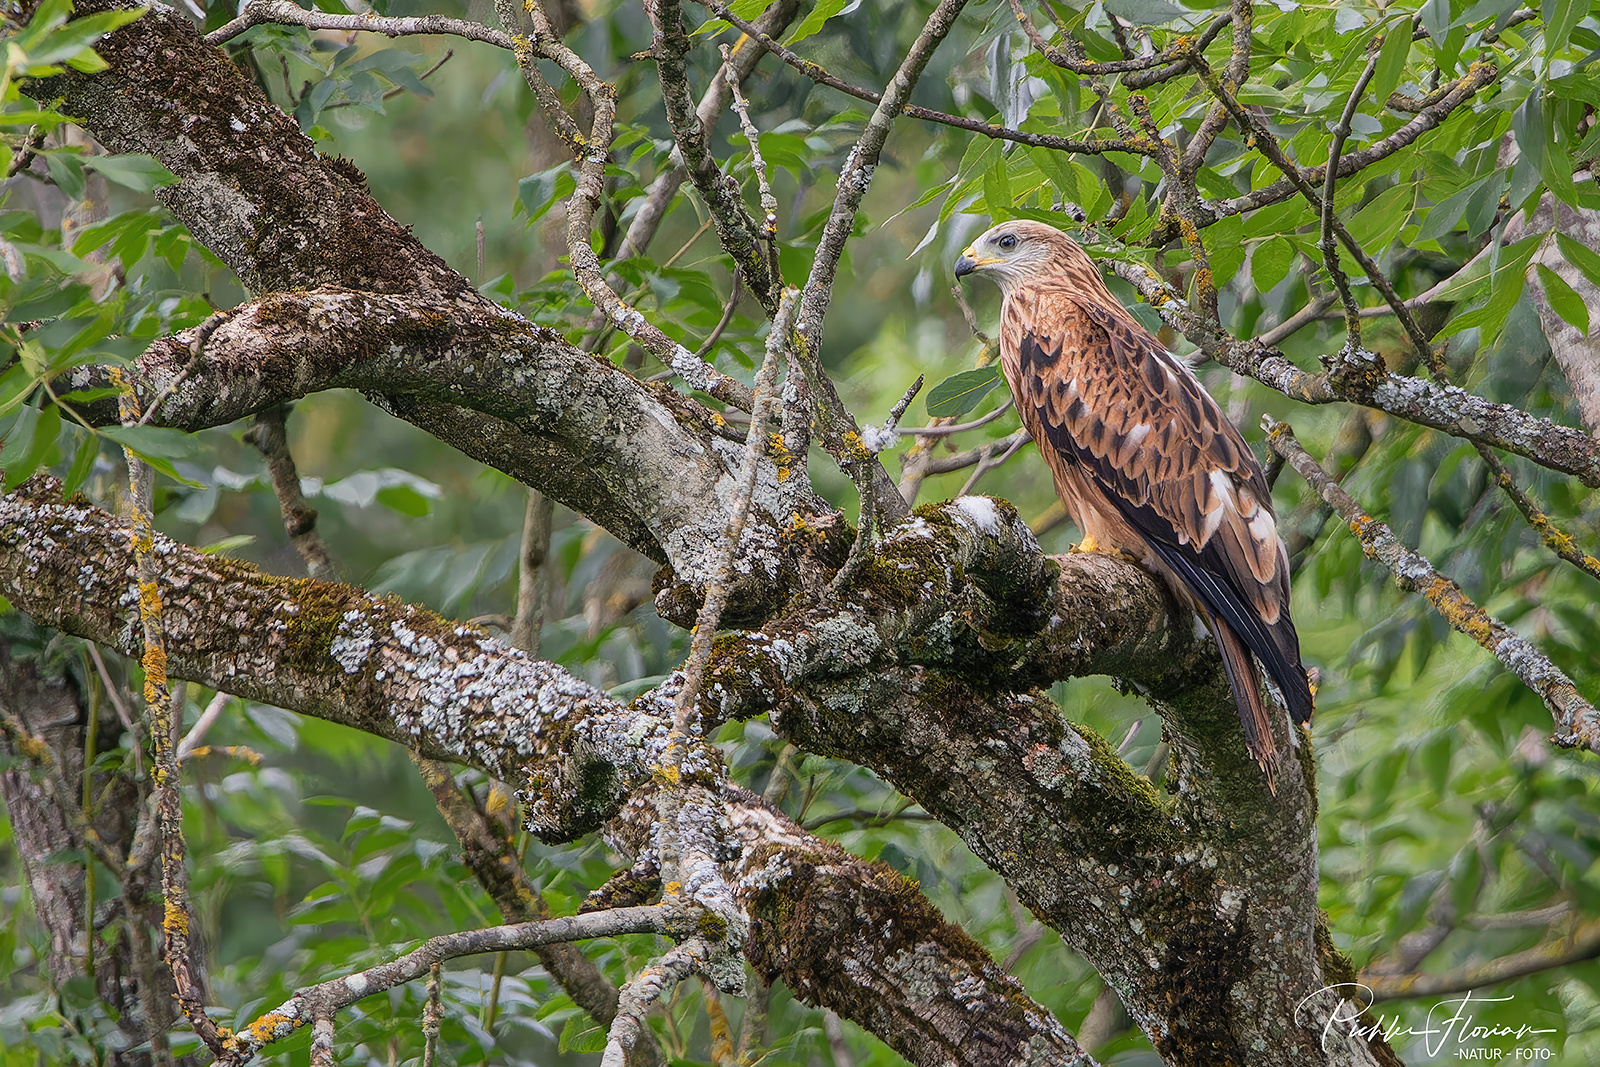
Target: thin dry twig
point(988, 129)
point(197, 733)
point(269, 433)
point(331, 996)
point(1581, 944)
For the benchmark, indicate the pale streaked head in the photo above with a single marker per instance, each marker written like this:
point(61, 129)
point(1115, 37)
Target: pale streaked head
point(1023, 250)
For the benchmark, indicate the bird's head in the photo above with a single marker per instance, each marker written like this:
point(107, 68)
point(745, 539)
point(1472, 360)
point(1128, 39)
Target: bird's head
point(1015, 251)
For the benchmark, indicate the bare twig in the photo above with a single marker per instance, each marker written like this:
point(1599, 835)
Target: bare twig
point(840, 435)
point(1330, 247)
point(581, 208)
point(769, 202)
point(197, 733)
point(963, 460)
point(737, 232)
point(880, 438)
point(331, 996)
point(1477, 76)
point(1577, 722)
point(1581, 944)
point(124, 714)
point(746, 53)
point(285, 13)
point(269, 433)
point(938, 430)
point(401, 90)
point(915, 111)
point(536, 523)
point(990, 462)
point(736, 291)
point(718, 589)
point(1554, 538)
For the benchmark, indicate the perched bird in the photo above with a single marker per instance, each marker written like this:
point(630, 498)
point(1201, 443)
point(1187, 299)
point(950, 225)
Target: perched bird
point(1144, 460)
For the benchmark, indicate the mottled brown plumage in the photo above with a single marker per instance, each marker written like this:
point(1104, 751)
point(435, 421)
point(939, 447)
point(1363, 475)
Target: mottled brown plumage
point(1144, 460)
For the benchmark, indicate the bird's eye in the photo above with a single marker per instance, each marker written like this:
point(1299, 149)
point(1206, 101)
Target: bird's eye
point(1007, 241)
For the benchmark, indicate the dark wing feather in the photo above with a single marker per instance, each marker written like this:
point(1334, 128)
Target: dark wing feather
point(1135, 422)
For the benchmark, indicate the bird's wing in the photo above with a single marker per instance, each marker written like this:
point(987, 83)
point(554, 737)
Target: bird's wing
point(1138, 425)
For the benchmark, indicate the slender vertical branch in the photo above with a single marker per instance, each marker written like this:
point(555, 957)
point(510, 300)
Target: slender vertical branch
point(1329, 244)
point(531, 579)
point(737, 232)
point(840, 434)
point(269, 433)
point(432, 1013)
point(176, 918)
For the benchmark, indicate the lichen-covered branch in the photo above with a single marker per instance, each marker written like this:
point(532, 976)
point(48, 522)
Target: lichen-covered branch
point(1576, 721)
point(739, 234)
point(321, 1001)
point(1356, 379)
point(286, 13)
point(643, 462)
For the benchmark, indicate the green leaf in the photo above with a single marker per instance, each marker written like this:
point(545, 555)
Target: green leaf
point(1391, 60)
point(825, 10)
point(997, 189)
point(1560, 17)
point(82, 464)
point(960, 393)
point(1506, 285)
point(1443, 216)
point(1563, 299)
point(66, 170)
point(1270, 262)
point(405, 500)
point(134, 170)
point(581, 1035)
point(1145, 12)
point(1059, 170)
point(1581, 256)
point(45, 429)
point(157, 446)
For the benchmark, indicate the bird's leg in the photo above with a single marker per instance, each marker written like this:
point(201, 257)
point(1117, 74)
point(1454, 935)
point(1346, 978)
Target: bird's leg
point(1089, 544)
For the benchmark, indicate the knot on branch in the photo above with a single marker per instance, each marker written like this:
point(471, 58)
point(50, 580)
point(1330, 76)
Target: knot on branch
point(1355, 372)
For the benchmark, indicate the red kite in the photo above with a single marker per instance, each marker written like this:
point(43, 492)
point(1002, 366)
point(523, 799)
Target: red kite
point(1144, 460)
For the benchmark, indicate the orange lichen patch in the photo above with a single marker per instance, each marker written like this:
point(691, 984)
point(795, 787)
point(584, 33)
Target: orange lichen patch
point(175, 919)
point(1460, 612)
point(270, 1027)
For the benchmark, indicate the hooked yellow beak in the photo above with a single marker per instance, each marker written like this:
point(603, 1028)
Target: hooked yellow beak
point(969, 262)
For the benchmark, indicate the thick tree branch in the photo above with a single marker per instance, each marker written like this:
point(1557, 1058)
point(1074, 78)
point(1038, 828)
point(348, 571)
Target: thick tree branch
point(629, 456)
